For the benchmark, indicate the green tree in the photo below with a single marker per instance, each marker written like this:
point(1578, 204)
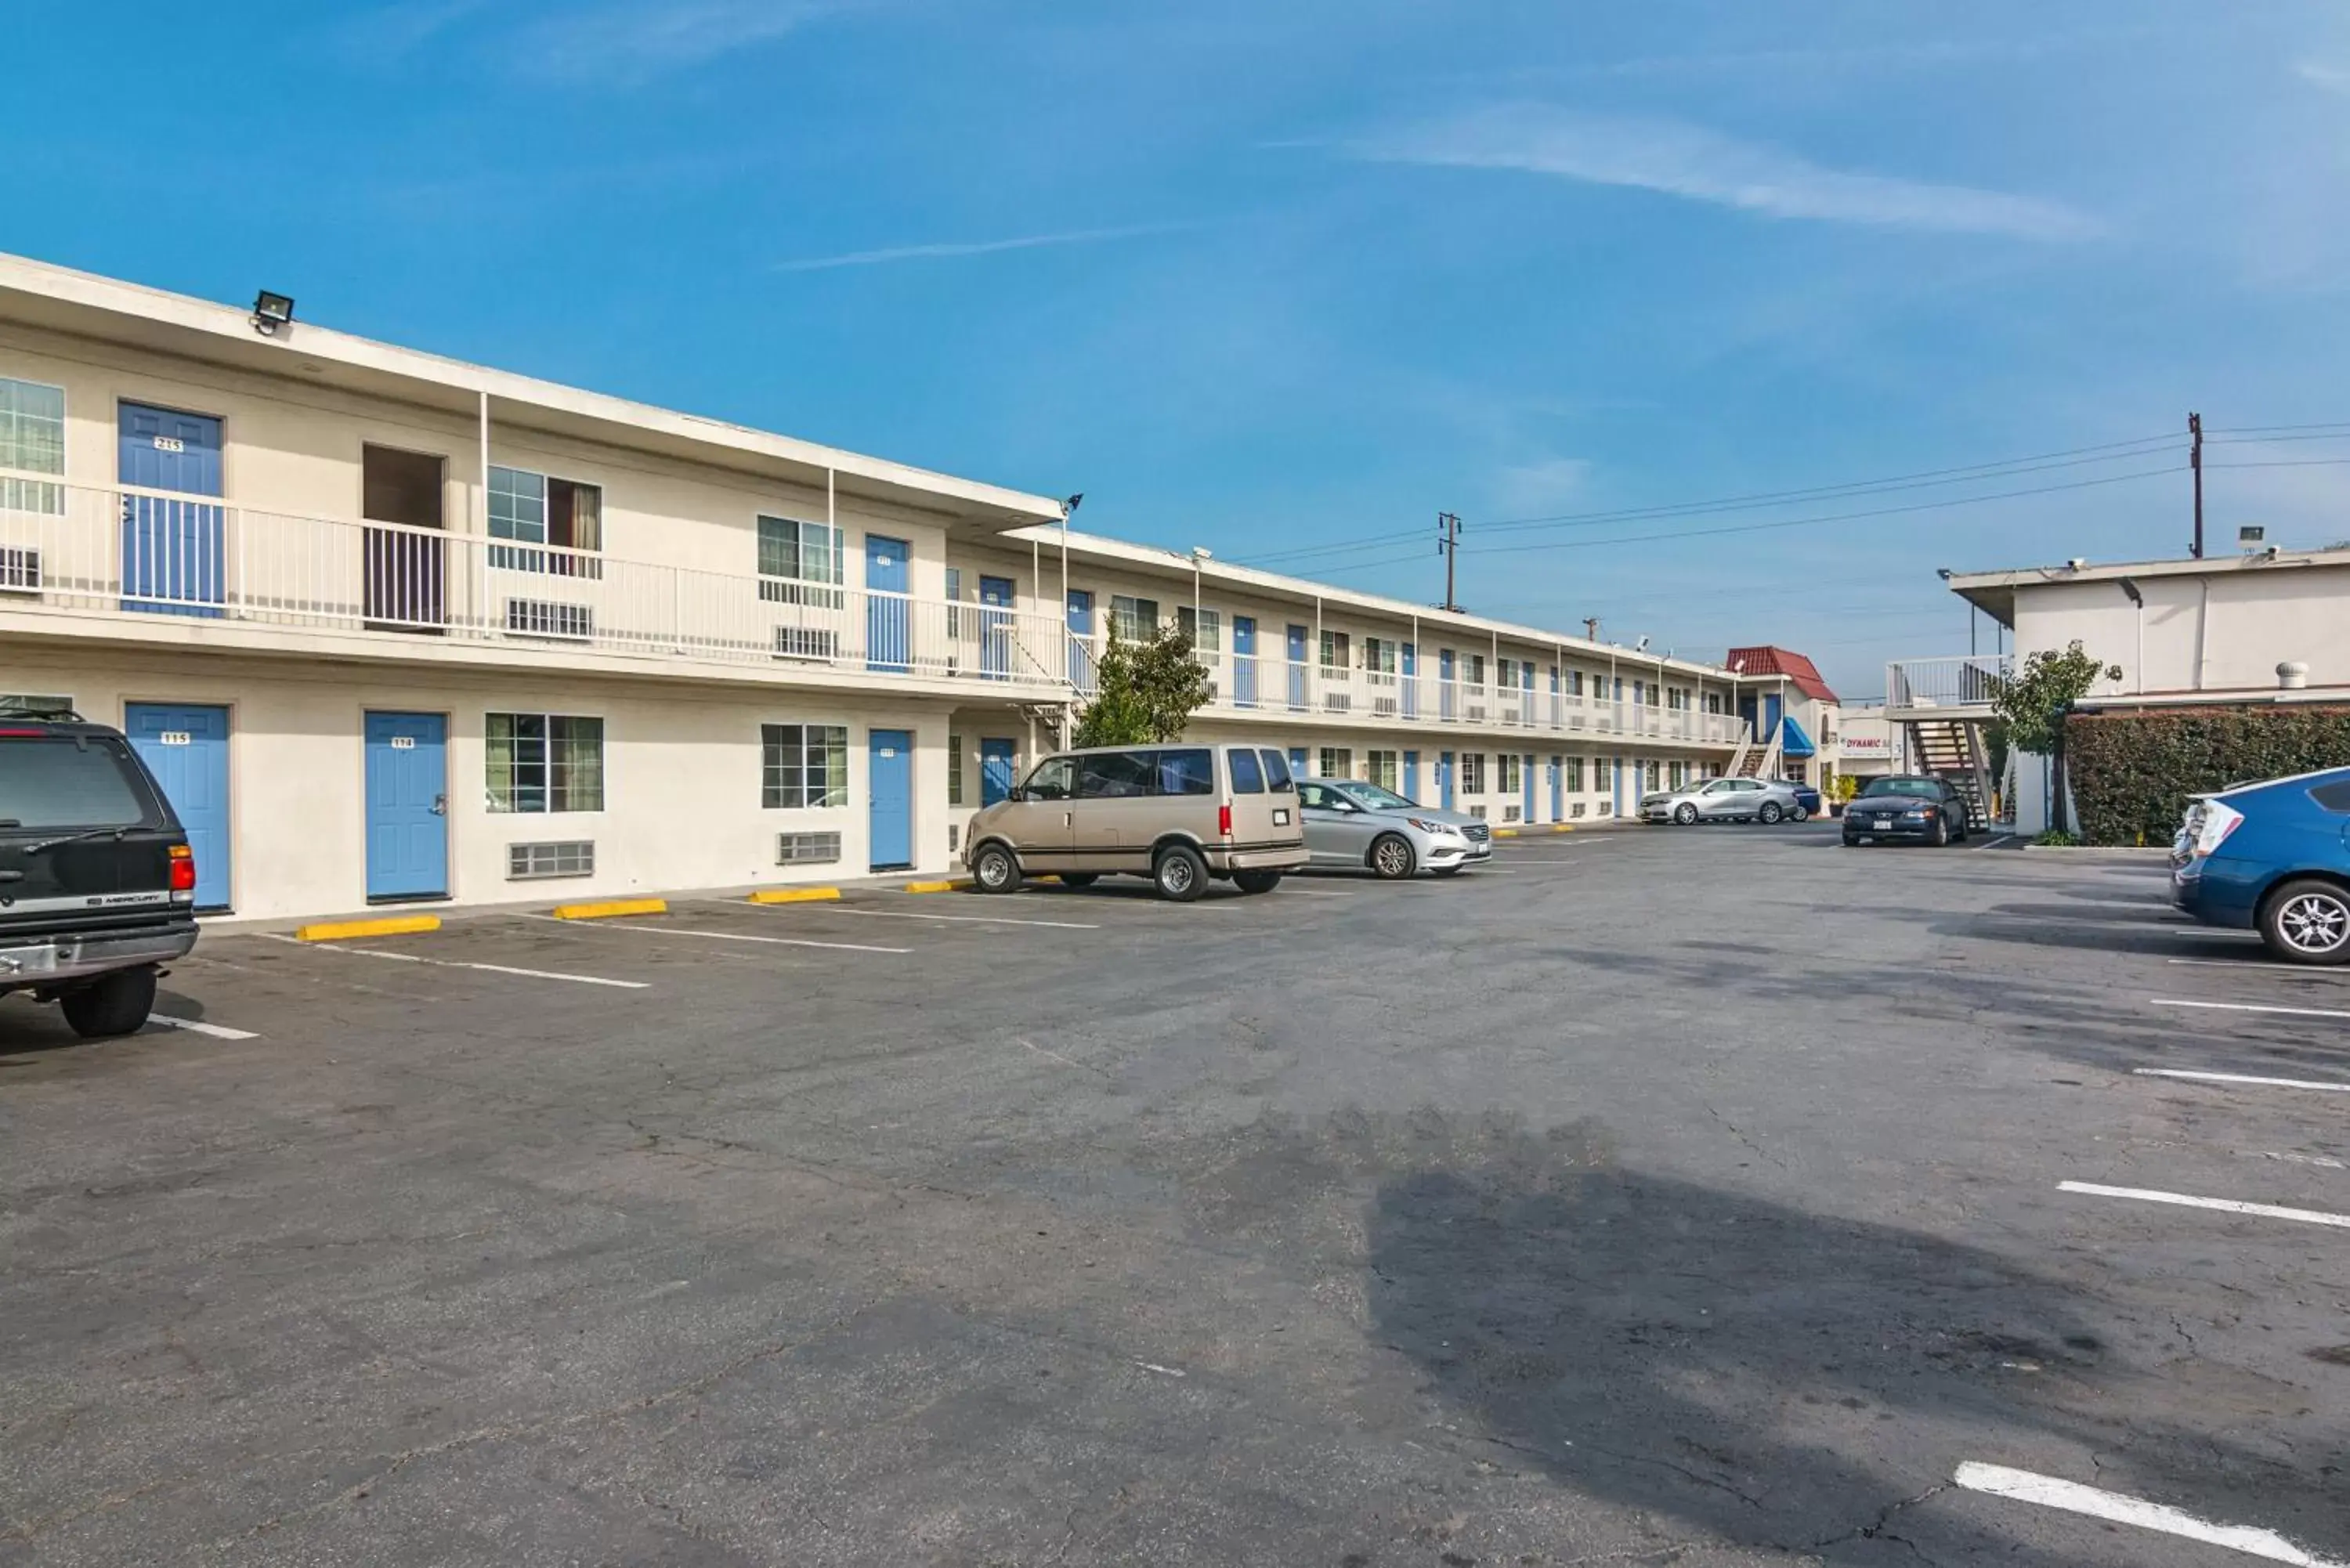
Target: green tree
point(1144, 691)
point(2034, 702)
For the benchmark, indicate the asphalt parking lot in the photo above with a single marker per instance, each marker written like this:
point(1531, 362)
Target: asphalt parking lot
point(1705, 1197)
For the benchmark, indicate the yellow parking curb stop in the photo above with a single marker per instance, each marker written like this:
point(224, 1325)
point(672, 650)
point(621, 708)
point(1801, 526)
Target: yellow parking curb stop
point(794, 895)
point(1506, 833)
point(954, 886)
point(611, 907)
point(391, 926)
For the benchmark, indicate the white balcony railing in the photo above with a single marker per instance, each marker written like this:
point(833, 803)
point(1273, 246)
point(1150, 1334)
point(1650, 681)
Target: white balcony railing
point(136, 554)
point(1972, 680)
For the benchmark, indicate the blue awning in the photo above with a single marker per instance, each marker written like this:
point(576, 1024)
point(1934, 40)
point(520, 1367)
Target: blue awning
point(1793, 741)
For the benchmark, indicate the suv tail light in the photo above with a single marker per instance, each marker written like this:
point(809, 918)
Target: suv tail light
point(184, 868)
point(1224, 821)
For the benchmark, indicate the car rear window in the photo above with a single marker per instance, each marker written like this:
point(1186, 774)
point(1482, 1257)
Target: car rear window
point(66, 782)
point(1248, 778)
point(2333, 796)
point(1186, 771)
point(1277, 773)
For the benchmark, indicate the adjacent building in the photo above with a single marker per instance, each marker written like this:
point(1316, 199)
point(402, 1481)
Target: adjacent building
point(2263, 625)
point(397, 628)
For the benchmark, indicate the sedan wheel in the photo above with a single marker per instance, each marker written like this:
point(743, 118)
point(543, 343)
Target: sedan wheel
point(1391, 857)
point(1770, 815)
point(1685, 814)
point(2308, 922)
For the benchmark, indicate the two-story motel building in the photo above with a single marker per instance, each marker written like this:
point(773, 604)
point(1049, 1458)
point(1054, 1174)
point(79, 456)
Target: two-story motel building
point(392, 628)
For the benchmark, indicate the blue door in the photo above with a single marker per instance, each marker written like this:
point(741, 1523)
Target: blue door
point(173, 559)
point(1411, 776)
point(1558, 789)
point(187, 748)
point(1526, 777)
point(996, 765)
point(1772, 709)
point(1444, 780)
point(407, 805)
point(1081, 639)
point(1411, 685)
point(1297, 669)
point(1244, 662)
point(888, 619)
point(890, 786)
point(996, 596)
point(1447, 705)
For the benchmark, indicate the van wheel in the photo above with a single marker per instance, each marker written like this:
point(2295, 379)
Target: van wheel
point(1256, 881)
point(1179, 873)
point(1391, 858)
point(1080, 878)
point(2308, 921)
point(995, 870)
point(117, 1004)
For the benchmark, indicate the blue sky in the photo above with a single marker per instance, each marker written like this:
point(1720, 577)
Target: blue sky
point(1278, 276)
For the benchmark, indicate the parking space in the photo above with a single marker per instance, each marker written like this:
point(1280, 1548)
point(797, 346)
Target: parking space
point(1715, 1196)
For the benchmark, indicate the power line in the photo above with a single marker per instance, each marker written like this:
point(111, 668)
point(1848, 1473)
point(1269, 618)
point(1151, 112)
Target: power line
point(2110, 452)
point(2265, 429)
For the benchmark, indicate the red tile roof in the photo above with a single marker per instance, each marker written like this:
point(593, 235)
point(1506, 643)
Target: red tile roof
point(1769, 660)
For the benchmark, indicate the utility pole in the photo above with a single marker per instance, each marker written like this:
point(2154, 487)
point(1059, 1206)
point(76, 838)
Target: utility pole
point(1447, 545)
point(2195, 461)
point(1591, 627)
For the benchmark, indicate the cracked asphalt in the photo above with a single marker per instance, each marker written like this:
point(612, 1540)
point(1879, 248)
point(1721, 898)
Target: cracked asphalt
point(1665, 1196)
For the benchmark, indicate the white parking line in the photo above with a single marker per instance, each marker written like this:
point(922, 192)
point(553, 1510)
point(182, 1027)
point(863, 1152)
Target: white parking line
point(2227, 1205)
point(2249, 1007)
point(918, 915)
point(2071, 1497)
point(455, 963)
point(2238, 1078)
point(714, 936)
point(217, 1030)
point(2307, 971)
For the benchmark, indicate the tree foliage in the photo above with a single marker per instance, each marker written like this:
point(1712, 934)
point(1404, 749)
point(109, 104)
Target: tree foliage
point(1144, 691)
point(2034, 702)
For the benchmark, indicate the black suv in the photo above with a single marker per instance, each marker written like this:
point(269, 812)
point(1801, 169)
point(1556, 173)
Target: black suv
point(97, 886)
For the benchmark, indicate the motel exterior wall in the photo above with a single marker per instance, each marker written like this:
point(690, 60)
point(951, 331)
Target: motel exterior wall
point(683, 664)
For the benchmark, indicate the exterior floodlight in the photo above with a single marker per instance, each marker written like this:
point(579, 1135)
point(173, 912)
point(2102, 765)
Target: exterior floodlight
point(272, 311)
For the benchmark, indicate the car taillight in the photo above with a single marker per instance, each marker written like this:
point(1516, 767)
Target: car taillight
point(184, 868)
point(2220, 819)
point(1224, 821)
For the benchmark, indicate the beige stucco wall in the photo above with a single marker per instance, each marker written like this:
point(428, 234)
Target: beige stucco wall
point(681, 766)
point(2255, 619)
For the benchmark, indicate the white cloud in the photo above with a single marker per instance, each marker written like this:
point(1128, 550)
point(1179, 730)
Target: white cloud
point(2318, 74)
point(633, 39)
point(1527, 488)
point(938, 250)
point(1689, 160)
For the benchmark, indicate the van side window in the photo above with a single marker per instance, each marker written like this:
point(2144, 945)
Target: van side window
point(1186, 771)
point(1117, 775)
point(1277, 773)
point(1248, 777)
point(1055, 779)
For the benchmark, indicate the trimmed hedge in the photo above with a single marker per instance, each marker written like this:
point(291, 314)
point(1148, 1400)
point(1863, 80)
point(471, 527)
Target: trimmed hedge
point(2132, 772)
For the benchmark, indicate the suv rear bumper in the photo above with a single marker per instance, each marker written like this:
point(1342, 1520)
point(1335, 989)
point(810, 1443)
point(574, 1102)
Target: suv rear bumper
point(78, 955)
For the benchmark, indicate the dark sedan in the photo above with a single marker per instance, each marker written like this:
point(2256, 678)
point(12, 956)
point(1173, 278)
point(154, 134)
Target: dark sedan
point(1916, 807)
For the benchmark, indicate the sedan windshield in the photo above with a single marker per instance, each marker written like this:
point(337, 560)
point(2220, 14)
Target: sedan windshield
point(1917, 789)
point(1371, 797)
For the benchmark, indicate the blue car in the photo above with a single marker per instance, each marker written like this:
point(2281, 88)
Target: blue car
point(2273, 858)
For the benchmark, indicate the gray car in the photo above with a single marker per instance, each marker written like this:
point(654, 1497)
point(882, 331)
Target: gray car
point(1725, 800)
point(1359, 825)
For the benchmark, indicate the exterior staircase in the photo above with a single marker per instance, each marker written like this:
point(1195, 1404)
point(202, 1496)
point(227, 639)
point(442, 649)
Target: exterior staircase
point(1952, 749)
point(1755, 759)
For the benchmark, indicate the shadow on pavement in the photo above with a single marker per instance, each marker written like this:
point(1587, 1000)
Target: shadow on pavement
point(1777, 1379)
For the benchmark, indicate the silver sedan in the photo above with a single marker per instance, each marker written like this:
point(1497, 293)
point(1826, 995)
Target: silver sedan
point(1361, 825)
point(1725, 800)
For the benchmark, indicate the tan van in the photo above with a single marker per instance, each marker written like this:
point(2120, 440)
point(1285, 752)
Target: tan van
point(1178, 815)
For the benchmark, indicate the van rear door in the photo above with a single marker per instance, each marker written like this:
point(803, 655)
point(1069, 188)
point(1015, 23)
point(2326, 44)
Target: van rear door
point(85, 840)
point(1264, 799)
